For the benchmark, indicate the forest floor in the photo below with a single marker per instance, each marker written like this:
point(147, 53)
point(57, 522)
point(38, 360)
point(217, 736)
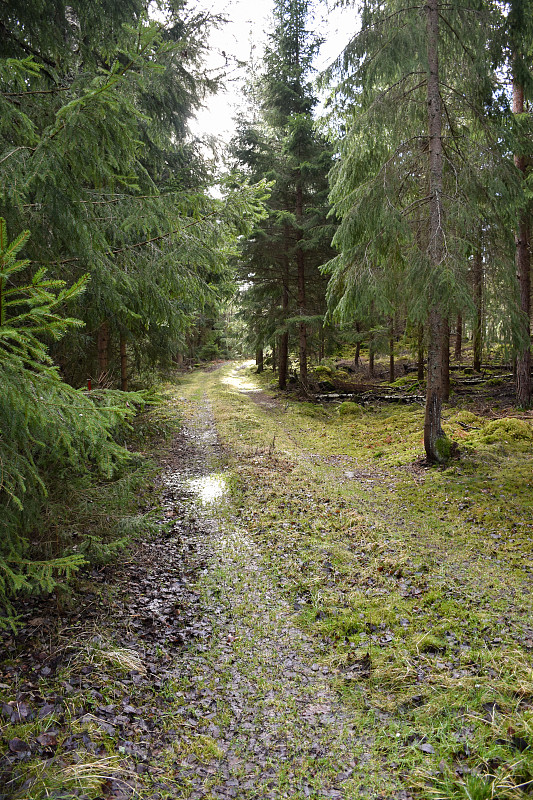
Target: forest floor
point(319, 615)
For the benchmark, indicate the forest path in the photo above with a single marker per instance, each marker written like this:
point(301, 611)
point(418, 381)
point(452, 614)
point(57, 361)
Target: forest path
point(265, 721)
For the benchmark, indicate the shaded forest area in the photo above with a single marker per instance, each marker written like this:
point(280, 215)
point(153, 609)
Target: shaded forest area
point(372, 246)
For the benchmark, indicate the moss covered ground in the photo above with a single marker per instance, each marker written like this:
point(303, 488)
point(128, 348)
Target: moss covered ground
point(416, 579)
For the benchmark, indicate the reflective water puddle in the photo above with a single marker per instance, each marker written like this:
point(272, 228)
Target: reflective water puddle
point(210, 487)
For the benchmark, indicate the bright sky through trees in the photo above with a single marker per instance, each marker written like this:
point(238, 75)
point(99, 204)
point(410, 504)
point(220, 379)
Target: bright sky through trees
point(242, 39)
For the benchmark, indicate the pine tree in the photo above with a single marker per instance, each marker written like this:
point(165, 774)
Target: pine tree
point(95, 163)
point(520, 30)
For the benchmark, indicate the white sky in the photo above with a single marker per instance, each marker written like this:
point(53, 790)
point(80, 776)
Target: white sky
point(244, 37)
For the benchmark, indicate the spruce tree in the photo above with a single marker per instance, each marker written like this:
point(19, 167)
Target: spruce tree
point(413, 183)
point(283, 145)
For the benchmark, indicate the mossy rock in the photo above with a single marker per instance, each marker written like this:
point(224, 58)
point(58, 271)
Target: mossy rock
point(466, 418)
point(350, 409)
point(322, 373)
point(507, 429)
point(311, 409)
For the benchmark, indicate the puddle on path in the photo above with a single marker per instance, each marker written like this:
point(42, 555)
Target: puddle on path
point(209, 488)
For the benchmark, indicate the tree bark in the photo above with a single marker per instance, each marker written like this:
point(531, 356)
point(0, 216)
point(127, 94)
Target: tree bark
point(523, 273)
point(434, 438)
point(446, 361)
point(259, 359)
point(459, 337)
point(371, 356)
point(283, 360)
point(123, 365)
point(477, 286)
point(420, 353)
point(391, 350)
point(103, 352)
point(357, 345)
point(300, 263)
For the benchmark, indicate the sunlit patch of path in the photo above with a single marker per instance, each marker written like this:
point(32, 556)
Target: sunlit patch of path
point(237, 380)
point(209, 488)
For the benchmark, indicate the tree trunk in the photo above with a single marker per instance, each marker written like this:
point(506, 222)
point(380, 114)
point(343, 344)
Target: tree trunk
point(446, 361)
point(103, 352)
point(434, 439)
point(123, 365)
point(300, 263)
point(420, 353)
point(259, 359)
point(283, 360)
point(371, 356)
point(357, 345)
point(459, 337)
point(391, 350)
point(523, 273)
point(477, 286)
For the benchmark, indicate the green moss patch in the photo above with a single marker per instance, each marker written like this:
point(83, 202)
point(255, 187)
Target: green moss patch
point(350, 409)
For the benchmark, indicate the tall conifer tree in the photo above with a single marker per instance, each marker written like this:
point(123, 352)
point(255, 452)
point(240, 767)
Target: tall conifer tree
point(284, 146)
point(413, 185)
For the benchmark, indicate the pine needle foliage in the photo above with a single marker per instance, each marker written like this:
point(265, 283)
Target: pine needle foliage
point(96, 161)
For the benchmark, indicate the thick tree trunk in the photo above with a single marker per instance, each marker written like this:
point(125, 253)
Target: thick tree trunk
point(420, 353)
point(283, 360)
point(300, 263)
point(446, 361)
point(435, 442)
point(391, 351)
point(434, 396)
point(523, 273)
point(477, 288)
point(259, 359)
point(123, 365)
point(459, 337)
point(103, 352)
